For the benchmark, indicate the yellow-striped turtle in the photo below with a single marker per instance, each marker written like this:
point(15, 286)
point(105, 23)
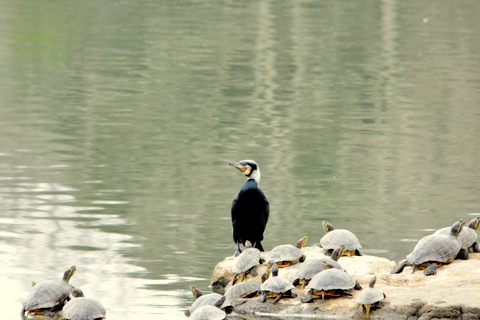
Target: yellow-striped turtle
point(48, 295)
point(81, 308)
point(246, 262)
point(211, 299)
point(331, 282)
point(434, 250)
point(338, 237)
point(276, 287)
point(246, 289)
point(369, 297)
point(468, 236)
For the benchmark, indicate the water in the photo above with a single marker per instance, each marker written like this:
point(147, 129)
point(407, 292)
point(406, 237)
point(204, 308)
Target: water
point(118, 119)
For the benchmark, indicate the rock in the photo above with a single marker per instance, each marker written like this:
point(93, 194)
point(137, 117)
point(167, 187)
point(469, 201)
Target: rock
point(453, 293)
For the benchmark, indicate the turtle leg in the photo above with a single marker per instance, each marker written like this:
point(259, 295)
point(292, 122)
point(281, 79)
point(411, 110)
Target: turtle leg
point(475, 247)
point(462, 254)
point(431, 269)
point(292, 294)
point(278, 297)
point(308, 297)
point(22, 313)
point(329, 252)
point(400, 267)
point(263, 297)
point(253, 272)
point(358, 253)
point(302, 258)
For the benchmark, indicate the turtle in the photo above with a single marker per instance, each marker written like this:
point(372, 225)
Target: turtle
point(48, 295)
point(369, 297)
point(208, 313)
point(468, 236)
point(276, 287)
point(246, 263)
point(246, 289)
point(337, 237)
point(434, 250)
point(82, 308)
point(311, 267)
point(212, 299)
point(331, 282)
point(285, 255)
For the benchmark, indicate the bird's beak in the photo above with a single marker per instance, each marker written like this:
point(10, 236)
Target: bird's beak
point(239, 166)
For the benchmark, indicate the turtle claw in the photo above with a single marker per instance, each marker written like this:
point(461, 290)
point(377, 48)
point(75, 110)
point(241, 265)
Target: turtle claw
point(431, 269)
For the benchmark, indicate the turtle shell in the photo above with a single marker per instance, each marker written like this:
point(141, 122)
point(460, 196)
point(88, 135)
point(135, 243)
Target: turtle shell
point(284, 253)
point(83, 309)
point(248, 259)
point(311, 267)
point(208, 312)
point(276, 285)
point(435, 247)
point(468, 236)
point(369, 296)
point(210, 299)
point(332, 279)
point(47, 294)
point(338, 237)
point(243, 290)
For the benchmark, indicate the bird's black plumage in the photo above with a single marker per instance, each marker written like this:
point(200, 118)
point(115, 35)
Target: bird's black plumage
point(250, 208)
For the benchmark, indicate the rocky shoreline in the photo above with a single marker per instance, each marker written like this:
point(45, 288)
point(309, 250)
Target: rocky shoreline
point(453, 293)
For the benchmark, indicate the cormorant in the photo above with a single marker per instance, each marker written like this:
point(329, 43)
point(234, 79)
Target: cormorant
point(250, 208)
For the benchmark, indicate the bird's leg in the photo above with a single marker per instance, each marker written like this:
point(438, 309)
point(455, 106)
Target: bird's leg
point(237, 253)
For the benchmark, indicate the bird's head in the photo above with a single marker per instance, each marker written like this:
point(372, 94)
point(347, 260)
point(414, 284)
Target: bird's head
point(249, 168)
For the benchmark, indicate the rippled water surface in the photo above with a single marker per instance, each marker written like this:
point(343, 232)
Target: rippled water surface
point(118, 119)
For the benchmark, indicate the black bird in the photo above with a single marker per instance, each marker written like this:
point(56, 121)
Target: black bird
point(250, 208)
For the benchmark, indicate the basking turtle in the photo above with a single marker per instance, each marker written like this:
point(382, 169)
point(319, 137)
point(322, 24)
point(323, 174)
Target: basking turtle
point(311, 267)
point(331, 282)
point(468, 236)
point(434, 250)
point(369, 297)
point(276, 287)
point(208, 313)
point(82, 308)
point(246, 289)
point(48, 295)
point(211, 299)
point(286, 254)
point(337, 237)
point(246, 263)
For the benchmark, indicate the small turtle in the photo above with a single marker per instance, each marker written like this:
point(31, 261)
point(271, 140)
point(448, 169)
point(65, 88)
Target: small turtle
point(331, 282)
point(246, 289)
point(48, 295)
point(212, 299)
point(337, 237)
point(82, 308)
point(468, 236)
point(208, 313)
point(369, 297)
point(311, 267)
point(434, 250)
point(276, 287)
point(246, 263)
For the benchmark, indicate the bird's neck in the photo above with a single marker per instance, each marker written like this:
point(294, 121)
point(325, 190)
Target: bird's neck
point(255, 175)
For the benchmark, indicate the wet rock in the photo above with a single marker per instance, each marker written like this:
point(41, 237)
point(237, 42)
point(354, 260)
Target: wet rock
point(453, 293)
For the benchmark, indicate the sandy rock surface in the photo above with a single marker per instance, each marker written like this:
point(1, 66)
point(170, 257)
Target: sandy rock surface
point(453, 293)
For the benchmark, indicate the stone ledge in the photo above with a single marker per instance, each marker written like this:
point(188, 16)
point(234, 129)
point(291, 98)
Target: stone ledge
point(453, 293)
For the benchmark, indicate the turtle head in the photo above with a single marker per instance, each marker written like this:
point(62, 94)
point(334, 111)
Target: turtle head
point(457, 227)
point(197, 293)
point(69, 273)
point(338, 252)
point(301, 242)
point(474, 223)
point(327, 226)
point(77, 293)
point(325, 265)
point(372, 281)
point(249, 168)
point(274, 270)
